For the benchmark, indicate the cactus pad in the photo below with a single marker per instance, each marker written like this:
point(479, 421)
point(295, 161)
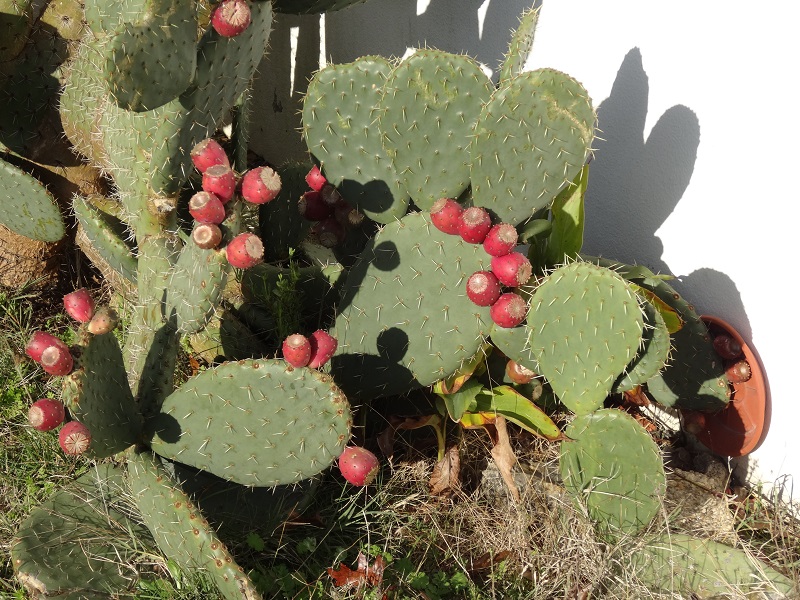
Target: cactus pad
point(611, 465)
point(519, 48)
point(181, 531)
point(28, 208)
point(654, 354)
point(427, 113)
point(255, 422)
point(586, 326)
point(107, 235)
point(701, 568)
point(97, 395)
point(531, 141)
point(69, 547)
point(339, 113)
point(405, 319)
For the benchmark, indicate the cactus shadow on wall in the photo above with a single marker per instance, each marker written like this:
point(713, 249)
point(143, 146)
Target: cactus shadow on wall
point(635, 185)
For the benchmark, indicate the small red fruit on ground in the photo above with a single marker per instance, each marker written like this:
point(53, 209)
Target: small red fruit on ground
point(245, 250)
point(261, 185)
point(509, 310)
point(74, 438)
point(446, 215)
point(358, 465)
point(207, 154)
point(79, 305)
point(501, 239)
point(315, 179)
point(206, 207)
point(221, 181)
point(46, 414)
point(231, 17)
point(483, 288)
point(206, 235)
point(297, 350)
point(474, 225)
point(512, 269)
point(323, 345)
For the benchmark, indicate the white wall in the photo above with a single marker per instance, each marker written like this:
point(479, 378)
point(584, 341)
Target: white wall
point(696, 173)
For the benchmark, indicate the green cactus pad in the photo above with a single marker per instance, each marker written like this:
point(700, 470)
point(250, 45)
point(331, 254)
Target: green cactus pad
point(679, 563)
point(181, 531)
point(108, 237)
point(515, 343)
point(586, 326)
point(531, 141)
point(299, 7)
point(614, 468)
point(694, 378)
point(195, 288)
point(339, 113)
point(654, 353)
point(519, 48)
point(16, 20)
point(152, 60)
point(82, 543)
point(255, 422)
point(405, 319)
point(97, 395)
point(429, 107)
point(26, 207)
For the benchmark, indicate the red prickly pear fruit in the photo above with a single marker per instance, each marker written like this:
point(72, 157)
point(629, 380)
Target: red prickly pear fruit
point(315, 179)
point(74, 438)
point(483, 288)
point(474, 225)
point(39, 342)
point(501, 239)
point(46, 414)
point(245, 251)
point(509, 310)
point(221, 181)
point(57, 360)
point(297, 350)
point(519, 374)
point(231, 17)
point(347, 216)
point(328, 232)
point(206, 207)
point(207, 154)
point(446, 215)
point(103, 321)
point(79, 305)
point(261, 185)
point(323, 345)
point(312, 207)
point(513, 269)
point(206, 235)
point(330, 195)
point(738, 372)
point(358, 465)
point(727, 347)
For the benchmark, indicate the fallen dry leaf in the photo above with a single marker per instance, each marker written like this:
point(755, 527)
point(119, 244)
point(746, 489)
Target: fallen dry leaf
point(364, 573)
point(445, 478)
point(503, 455)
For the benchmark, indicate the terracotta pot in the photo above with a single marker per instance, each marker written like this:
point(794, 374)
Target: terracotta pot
point(739, 428)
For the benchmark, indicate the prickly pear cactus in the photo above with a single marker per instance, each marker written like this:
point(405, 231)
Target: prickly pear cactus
point(28, 208)
point(612, 466)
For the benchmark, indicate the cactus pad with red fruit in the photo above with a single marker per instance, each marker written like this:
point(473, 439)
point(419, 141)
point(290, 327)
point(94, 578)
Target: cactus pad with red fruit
point(323, 345)
point(208, 153)
point(296, 350)
point(446, 215)
point(231, 17)
point(79, 305)
point(261, 185)
point(474, 225)
point(245, 250)
point(206, 207)
point(220, 181)
point(74, 438)
point(483, 288)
